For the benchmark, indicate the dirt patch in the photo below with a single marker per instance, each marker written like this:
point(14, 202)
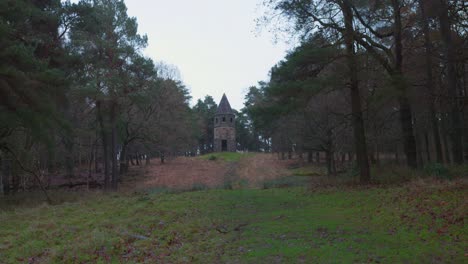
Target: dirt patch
point(183, 173)
point(260, 168)
point(191, 172)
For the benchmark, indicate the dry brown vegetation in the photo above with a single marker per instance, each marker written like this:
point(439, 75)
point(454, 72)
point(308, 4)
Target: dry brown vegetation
point(184, 173)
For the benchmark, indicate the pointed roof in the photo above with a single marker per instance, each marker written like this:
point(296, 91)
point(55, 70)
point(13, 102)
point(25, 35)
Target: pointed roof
point(224, 107)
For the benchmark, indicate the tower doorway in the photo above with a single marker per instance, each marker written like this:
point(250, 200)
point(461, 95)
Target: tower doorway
point(223, 145)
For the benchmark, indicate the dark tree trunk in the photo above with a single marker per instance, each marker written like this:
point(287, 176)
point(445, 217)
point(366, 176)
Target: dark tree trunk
point(162, 157)
point(69, 162)
point(328, 157)
point(420, 152)
point(357, 120)
point(430, 85)
point(123, 159)
point(96, 153)
point(397, 158)
point(105, 144)
point(406, 116)
point(114, 161)
point(4, 175)
point(317, 157)
point(309, 156)
point(428, 148)
point(68, 139)
point(113, 150)
point(372, 158)
point(90, 165)
point(455, 111)
point(446, 142)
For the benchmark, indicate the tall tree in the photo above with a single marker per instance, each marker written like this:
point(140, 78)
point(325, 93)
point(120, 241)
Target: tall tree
point(106, 39)
point(455, 109)
point(306, 15)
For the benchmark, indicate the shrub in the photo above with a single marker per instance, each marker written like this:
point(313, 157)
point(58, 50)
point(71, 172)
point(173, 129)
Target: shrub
point(199, 187)
point(212, 157)
point(437, 170)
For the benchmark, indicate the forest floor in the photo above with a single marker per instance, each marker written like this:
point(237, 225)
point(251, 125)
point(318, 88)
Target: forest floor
point(244, 209)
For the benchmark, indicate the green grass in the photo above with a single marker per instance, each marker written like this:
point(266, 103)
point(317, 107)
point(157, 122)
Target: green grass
point(309, 170)
point(387, 225)
point(225, 156)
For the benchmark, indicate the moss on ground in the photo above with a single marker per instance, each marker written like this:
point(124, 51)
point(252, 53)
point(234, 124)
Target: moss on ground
point(389, 225)
point(225, 156)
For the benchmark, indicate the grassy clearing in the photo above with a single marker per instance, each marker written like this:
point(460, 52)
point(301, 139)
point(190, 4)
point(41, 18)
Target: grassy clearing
point(225, 156)
point(310, 170)
point(418, 223)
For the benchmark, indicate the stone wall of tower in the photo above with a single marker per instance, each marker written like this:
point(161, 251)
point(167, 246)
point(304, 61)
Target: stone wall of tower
point(224, 130)
point(224, 133)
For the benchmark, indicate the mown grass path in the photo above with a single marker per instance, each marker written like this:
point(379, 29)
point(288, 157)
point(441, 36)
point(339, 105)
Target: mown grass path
point(377, 225)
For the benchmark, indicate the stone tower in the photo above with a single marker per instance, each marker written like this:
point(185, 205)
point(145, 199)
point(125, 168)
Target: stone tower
point(224, 127)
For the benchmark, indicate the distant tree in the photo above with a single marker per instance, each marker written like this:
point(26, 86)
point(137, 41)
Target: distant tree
point(205, 111)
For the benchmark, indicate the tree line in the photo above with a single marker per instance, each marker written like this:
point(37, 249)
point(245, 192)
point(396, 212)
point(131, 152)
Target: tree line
point(370, 81)
point(79, 102)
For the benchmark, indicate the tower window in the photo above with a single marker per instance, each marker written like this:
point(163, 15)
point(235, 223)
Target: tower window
point(231, 119)
point(216, 120)
point(224, 119)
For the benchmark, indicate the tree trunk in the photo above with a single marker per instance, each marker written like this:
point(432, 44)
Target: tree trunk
point(397, 158)
point(357, 120)
point(406, 115)
point(309, 156)
point(123, 159)
point(419, 155)
point(430, 85)
point(50, 161)
point(428, 148)
point(2, 174)
point(69, 163)
point(455, 113)
point(90, 164)
point(114, 162)
point(446, 142)
point(328, 157)
point(96, 152)
point(105, 145)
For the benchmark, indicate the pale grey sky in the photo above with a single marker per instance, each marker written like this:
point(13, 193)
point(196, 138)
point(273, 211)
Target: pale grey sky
point(212, 42)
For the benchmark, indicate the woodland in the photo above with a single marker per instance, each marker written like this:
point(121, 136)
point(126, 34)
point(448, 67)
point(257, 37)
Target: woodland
point(365, 119)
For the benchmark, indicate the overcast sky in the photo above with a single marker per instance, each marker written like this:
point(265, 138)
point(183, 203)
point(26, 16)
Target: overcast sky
point(212, 42)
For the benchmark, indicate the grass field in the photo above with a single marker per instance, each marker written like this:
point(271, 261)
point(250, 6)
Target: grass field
point(409, 224)
point(225, 156)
